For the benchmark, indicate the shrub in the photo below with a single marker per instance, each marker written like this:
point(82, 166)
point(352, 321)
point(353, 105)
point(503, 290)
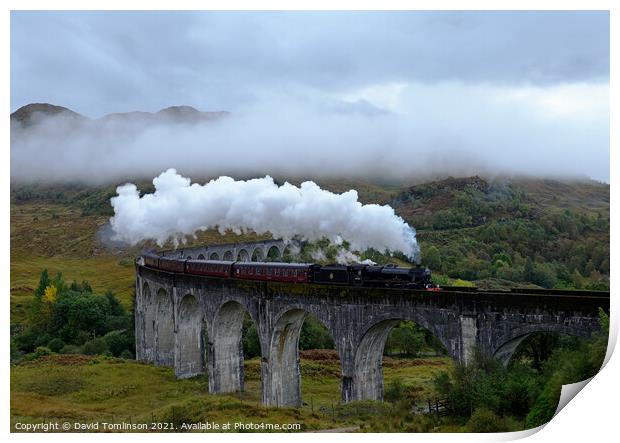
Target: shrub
point(395, 391)
point(127, 355)
point(485, 420)
point(56, 344)
point(463, 283)
point(251, 343)
point(96, 346)
point(117, 342)
point(314, 335)
point(432, 258)
point(41, 351)
point(70, 349)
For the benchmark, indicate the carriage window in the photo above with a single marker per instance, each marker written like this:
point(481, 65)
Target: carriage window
point(258, 271)
point(276, 271)
point(269, 270)
point(285, 272)
point(294, 272)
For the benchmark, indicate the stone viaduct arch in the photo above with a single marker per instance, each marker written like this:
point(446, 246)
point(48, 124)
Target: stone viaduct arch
point(271, 250)
point(274, 253)
point(359, 320)
point(258, 254)
point(243, 255)
point(507, 344)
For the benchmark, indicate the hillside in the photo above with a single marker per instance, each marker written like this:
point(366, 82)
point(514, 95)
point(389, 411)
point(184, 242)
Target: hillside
point(501, 232)
point(35, 113)
point(547, 232)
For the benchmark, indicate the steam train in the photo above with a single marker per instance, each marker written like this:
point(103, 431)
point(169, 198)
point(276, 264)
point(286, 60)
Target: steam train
point(308, 273)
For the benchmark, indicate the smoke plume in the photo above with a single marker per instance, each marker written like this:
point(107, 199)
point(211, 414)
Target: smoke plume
point(178, 209)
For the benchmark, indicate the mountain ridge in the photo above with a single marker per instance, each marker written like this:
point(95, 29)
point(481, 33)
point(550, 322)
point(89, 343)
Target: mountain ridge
point(33, 113)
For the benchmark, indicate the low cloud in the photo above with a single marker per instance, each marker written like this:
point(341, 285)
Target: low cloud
point(407, 131)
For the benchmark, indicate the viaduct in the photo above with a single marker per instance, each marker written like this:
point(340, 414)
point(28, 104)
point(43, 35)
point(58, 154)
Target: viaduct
point(194, 324)
point(256, 251)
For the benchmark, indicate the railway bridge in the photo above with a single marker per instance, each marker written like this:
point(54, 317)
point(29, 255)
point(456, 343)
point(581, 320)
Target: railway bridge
point(194, 324)
point(272, 250)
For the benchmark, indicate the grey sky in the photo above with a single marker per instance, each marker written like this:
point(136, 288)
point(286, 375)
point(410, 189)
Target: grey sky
point(541, 77)
point(100, 62)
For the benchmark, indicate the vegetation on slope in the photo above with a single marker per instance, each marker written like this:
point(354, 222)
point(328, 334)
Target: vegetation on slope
point(494, 233)
point(488, 397)
point(71, 319)
point(540, 232)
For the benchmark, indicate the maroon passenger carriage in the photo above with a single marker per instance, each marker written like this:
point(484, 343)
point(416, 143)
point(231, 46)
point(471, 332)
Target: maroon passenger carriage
point(211, 268)
point(285, 272)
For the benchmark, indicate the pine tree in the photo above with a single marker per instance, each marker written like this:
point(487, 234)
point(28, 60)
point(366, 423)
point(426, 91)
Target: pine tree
point(44, 282)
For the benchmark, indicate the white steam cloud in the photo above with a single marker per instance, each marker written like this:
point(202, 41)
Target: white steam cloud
point(178, 209)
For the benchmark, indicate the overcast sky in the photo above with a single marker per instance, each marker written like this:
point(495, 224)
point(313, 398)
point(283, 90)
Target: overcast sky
point(510, 89)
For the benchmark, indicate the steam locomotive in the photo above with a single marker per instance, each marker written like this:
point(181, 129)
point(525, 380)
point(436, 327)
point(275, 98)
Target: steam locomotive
point(309, 273)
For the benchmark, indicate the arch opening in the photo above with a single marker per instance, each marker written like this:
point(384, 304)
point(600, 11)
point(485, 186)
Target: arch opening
point(534, 348)
point(164, 330)
point(407, 339)
point(201, 257)
point(273, 254)
point(257, 254)
point(214, 256)
point(319, 361)
point(243, 255)
point(189, 360)
point(394, 338)
point(228, 256)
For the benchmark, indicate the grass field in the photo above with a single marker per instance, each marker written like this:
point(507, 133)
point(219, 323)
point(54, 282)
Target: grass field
point(70, 388)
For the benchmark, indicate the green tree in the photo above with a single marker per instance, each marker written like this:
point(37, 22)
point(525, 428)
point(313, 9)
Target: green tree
point(432, 258)
point(405, 339)
point(314, 335)
point(251, 342)
point(44, 282)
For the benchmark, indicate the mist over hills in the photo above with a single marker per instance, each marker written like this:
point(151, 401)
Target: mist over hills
point(277, 138)
point(35, 113)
